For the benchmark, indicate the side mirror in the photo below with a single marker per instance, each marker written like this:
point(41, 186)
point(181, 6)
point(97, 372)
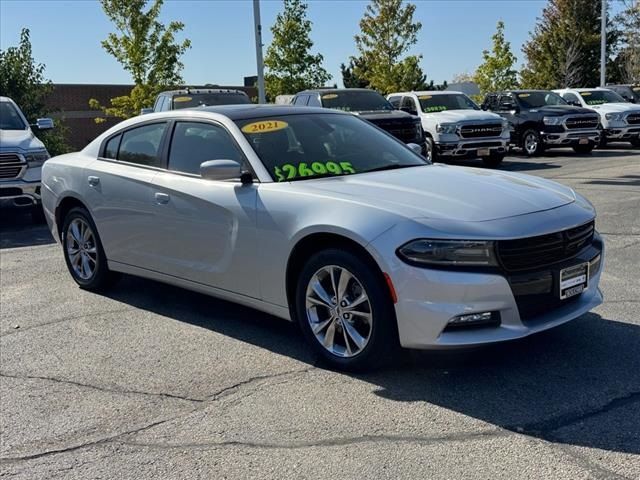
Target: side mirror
point(415, 148)
point(144, 111)
point(575, 103)
point(44, 124)
point(220, 170)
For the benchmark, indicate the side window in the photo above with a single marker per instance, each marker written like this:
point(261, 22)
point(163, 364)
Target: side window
point(395, 101)
point(111, 148)
point(142, 145)
point(194, 143)
point(506, 103)
point(408, 105)
point(571, 98)
point(314, 101)
point(301, 100)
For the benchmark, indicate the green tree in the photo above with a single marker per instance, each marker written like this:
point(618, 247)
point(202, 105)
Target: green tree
point(23, 80)
point(496, 73)
point(349, 77)
point(564, 49)
point(291, 67)
point(626, 66)
point(146, 48)
point(387, 33)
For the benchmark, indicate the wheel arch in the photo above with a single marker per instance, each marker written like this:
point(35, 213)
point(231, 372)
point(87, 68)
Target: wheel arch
point(64, 207)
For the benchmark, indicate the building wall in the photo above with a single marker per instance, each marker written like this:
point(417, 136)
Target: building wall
point(70, 104)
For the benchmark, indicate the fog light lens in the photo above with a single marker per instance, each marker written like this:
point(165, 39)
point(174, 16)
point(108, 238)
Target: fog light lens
point(475, 319)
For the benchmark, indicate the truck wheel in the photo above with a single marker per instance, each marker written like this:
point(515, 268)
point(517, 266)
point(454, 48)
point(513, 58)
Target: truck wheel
point(635, 141)
point(494, 160)
point(430, 150)
point(345, 311)
point(532, 143)
point(603, 141)
point(584, 149)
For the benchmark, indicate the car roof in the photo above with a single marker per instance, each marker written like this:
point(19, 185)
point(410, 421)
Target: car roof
point(201, 91)
point(429, 92)
point(241, 112)
point(334, 90)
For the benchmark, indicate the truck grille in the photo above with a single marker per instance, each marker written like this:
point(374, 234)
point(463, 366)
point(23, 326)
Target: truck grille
point(633, 118)
point(10, 165)
point(404, 134)
point(582, 122)
point(534, 252)
point(404, 130)
point(476, 131)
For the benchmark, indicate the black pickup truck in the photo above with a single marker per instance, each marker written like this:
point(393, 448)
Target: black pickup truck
point(369, 105)
point(541, 119)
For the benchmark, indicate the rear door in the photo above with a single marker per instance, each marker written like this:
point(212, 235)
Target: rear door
point(120, 194)
point(207, 228)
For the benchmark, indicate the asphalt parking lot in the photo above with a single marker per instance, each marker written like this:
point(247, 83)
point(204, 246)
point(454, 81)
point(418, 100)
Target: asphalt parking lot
point(149, 381)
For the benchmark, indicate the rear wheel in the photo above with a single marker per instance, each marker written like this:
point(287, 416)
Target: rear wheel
point(532, 143)
point(83, 251)
point(584, 149)
point(494, 160)
point(345, 311)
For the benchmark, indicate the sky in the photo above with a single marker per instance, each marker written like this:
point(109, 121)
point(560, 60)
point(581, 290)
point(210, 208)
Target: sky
point(66, 35)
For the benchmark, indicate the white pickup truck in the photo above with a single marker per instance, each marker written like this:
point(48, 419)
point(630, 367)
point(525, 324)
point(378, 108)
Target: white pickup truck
point(620, 119)
point(455, 126)
point(21, 159)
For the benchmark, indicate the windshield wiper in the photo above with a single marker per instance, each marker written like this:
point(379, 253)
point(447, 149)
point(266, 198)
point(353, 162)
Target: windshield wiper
point(394, 166)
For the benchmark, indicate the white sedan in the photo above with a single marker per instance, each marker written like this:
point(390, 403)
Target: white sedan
point(319, 217)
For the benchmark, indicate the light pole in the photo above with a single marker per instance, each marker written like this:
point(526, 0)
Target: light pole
point(603, 43)
point(259, 61)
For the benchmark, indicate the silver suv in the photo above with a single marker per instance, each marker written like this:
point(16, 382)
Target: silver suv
point(21, 159)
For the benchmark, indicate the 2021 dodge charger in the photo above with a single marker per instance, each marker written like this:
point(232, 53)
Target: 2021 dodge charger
point(318, 216)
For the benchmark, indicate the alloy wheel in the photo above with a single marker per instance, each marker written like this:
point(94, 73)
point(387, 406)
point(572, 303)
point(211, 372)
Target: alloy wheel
point(531, 143)
point(81, 248)
point(338, 311)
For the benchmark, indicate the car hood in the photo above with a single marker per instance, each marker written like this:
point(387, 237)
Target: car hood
point(617, 107)
point(11, 140)
point(556, 110)
point(444, 192)
point(375, 115)
point(464, 115)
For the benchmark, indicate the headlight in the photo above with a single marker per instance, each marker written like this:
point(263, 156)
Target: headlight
point(552, 120)
point(505, 124)
point(37, 158)
point(446, 128)
point(615, 117)
point(449, 252)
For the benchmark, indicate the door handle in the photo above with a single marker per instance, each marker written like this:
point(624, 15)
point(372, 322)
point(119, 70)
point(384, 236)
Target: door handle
point(93, 181)
point(162, 198)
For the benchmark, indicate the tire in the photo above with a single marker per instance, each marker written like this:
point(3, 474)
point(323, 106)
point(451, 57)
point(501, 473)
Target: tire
point(88, 267)
point(603, 141)
point(494, 160)
point(635, 142)
point(584, 149)
point(376, 337)
point(430, 152)
point(531, 143)
point(37, 215)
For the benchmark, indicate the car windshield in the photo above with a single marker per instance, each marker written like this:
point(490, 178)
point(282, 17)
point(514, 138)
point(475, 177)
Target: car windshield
point(355, 101)
point(442, 102)
point(539, 99)
point(598, 97)
point(10, 119)
point(306, 146)
point(208, 99)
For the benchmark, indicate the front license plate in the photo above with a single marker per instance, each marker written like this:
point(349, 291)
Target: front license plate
point(583, 141)
point(484, 152)
point(574, 280)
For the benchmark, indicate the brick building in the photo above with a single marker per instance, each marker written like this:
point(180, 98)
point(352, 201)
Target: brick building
point(71, 104)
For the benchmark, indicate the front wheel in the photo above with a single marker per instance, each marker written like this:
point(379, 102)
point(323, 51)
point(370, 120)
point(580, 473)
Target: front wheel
point(635, 142)
point(83, 251)
point(532, 144)
point(430, 150)
point(345, 311)
point(494, 160)
point(584, 149)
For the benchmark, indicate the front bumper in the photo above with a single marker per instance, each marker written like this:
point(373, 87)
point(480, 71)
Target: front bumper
point(429, 299)
point(19, 194)
point(570, 137)
point(470, 147)
point(622, 133)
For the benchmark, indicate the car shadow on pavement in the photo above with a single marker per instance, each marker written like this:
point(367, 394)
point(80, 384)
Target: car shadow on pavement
point(622, 180)
point(17, 229)
point(578, 384)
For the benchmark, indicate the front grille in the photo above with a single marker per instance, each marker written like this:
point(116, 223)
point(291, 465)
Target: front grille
point(533, 252)
point(584, 121)
point(404, 134)
point(633, 118)
point(477, 131)
point(10, 165)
